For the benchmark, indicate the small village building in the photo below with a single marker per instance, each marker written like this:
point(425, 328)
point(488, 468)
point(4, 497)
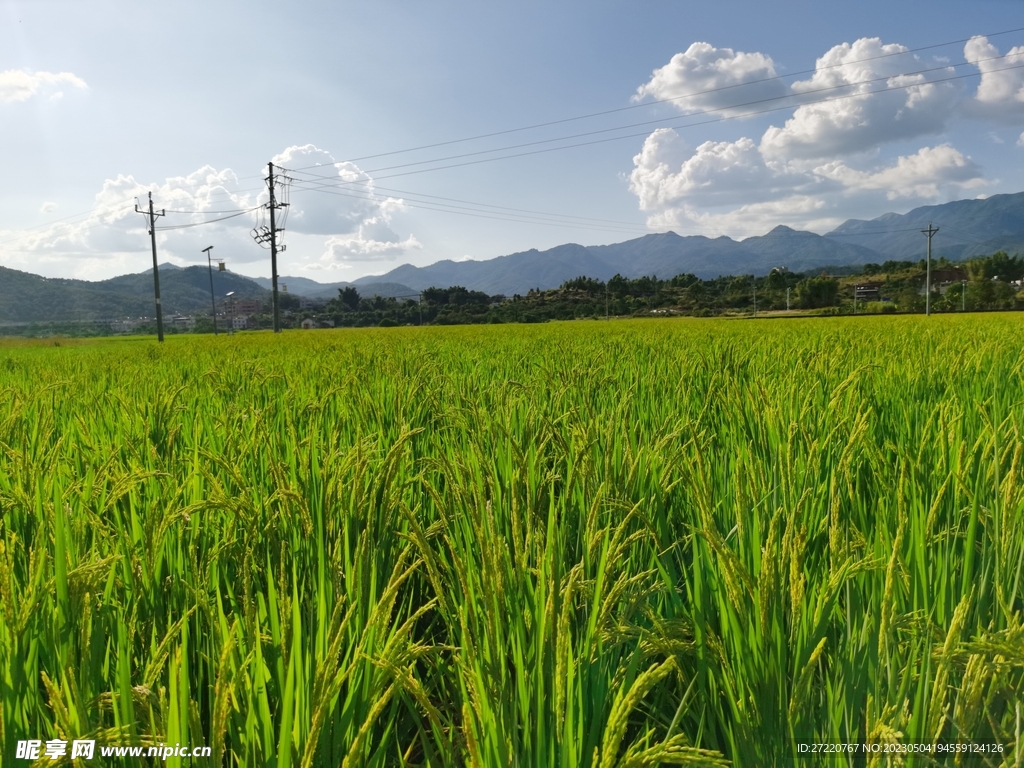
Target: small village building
point(129, 324)
point(944, 278)
point(868, 291)
point(245, 306)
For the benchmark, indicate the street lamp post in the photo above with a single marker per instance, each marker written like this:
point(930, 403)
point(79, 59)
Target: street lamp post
point(213, 301)
point(231, 309)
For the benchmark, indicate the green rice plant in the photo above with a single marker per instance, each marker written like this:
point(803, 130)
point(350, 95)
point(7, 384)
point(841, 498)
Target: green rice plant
point(627, 544)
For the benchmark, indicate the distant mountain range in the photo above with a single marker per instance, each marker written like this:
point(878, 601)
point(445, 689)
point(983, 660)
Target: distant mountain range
point(303, 286)
point(966, 228)
point(28, 298)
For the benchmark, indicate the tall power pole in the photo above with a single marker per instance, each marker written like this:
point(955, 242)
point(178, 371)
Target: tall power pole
point(273, 248)
point(928, 270)
point(264, 235)
point(156, 273)
point(213, 301)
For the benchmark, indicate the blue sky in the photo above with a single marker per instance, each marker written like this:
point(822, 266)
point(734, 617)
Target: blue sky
point(101, 102)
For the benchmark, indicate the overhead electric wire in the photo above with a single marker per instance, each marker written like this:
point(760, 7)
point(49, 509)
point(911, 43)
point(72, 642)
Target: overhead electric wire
point(492, 216)
point(503, 207)
point(112, 207)
point(566, 218)
point(446, 200)
point(28, 232)
point(635, 135)
point(664, 101)
point(211, 221)
point(232, 210)
point(789, 96)
point(638, 228)
point(871, 232)
point(65, 221)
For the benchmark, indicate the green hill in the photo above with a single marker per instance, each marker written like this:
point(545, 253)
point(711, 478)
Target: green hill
point(28, 298)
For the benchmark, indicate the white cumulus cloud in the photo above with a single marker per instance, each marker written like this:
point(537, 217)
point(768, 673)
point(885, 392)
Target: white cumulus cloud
point(826, 161)
point(707, 78)
point(211, 206)
point(20, 85)
point(1000, 94)
point(873, 102)
point(717, 173)
point(926, 174)
point(374, 240)
point(339, 200)
point(329, 197)
point(799, 211)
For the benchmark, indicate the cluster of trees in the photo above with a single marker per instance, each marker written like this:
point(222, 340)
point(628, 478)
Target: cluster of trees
point(439, 306)
point(586, 297)
point(989, 286)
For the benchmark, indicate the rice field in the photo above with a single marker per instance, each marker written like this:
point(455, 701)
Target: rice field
point(635, 543)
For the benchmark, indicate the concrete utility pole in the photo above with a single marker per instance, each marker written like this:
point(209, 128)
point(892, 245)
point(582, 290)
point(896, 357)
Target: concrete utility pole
point(273, 251)
point(787, 299)
point(755, 297)
point(213, 301)
point(262, 235)
point(156, 273)
point(928, 270)
point(231, 305)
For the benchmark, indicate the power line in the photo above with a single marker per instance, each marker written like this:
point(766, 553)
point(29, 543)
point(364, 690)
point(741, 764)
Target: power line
point(559, 220)
point(635, 135)
point(494, 216)
point(869, 231)
point(233, 210)
point(566, 218)
point(712, 111)
point(211, 221)
point(369, 195)
point(501, 207)
point(108, 208)
point(114, 206)
point(664, 101)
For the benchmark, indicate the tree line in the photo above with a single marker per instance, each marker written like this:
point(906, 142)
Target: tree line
point(989, 283)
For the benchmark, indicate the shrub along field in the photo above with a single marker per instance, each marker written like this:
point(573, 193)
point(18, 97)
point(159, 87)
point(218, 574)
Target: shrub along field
point(604, 544)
